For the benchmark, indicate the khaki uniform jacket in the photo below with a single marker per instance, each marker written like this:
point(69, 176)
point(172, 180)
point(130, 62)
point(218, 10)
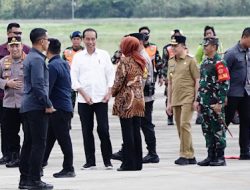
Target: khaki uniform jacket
point(10, 70)
point(128, 89)
point(183, 74)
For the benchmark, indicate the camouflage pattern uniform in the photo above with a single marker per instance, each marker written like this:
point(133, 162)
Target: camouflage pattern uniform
point(211, 91)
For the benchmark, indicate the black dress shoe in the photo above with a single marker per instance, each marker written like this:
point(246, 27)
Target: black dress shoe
point(150, 158)
point(181, 161)
point(64, 173)
point(123, 169)
point(88, 166)
point(13, 163)
point(117, 156)
point(4, 160)
point(108, 166)
point(39, 185)
point(23, 183)
point(192, 161)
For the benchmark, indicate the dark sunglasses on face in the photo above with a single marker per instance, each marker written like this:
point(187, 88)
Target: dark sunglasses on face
point(17, 33)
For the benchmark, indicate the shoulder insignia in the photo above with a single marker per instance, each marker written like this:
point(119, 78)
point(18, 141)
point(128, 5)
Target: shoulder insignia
point(222, 71)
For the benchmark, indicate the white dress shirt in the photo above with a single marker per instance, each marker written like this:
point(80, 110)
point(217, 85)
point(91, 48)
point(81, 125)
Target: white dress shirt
point(93, 73)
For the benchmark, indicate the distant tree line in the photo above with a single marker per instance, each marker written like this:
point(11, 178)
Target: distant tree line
point(62, 9)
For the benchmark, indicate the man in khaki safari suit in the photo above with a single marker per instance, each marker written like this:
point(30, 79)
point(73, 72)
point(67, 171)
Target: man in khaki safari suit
point(183, 77)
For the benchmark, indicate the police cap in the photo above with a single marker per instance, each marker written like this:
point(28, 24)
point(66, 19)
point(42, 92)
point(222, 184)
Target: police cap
point(14, 40)
point(178, 40)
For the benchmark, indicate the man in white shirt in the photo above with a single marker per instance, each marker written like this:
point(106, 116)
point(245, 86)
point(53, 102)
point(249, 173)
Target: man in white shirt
point(92, 75)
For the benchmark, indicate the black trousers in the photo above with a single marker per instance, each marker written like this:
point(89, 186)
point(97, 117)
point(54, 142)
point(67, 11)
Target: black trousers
point(86, 113)
point(11, 123)
point(148, 128)
point(35, 126)
point(242, 104)
point(132, 145)
point(59, 130)
point(3, 132)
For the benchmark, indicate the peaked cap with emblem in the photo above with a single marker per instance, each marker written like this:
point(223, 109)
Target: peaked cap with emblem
point(14, 40)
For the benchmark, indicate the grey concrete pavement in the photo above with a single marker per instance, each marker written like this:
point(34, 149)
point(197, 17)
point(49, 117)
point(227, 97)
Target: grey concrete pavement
point(163, 176)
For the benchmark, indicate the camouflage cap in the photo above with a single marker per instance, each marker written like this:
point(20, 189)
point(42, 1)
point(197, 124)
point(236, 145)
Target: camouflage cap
point(210, 40)
point(14, 40)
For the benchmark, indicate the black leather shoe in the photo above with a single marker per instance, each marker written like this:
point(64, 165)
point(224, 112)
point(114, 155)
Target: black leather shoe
point(121, 169)
point(4, 160)
point(151, 159)
point(23, 184)
point(108, 166)
point(117, 155)
point(64, 173)
point(88, 166)
point(181, 161)
point(39, 185)
point(13, 163)
point(218, 162)
point(192, 161)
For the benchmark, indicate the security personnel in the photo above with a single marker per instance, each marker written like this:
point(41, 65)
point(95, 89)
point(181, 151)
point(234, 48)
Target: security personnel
point(168, 53)
point(214, 84)
point(154, 55)
point(68, 54)
point(183, 79)
point(11, 81)
point(13, 30)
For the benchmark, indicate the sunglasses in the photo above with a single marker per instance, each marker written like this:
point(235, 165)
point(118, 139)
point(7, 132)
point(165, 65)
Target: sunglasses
point(17, 33)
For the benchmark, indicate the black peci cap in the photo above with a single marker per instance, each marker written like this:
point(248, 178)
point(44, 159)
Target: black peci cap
point(178, 40)
point(139, 36)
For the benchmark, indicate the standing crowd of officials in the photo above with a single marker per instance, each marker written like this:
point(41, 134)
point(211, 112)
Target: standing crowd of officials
point(40, 96)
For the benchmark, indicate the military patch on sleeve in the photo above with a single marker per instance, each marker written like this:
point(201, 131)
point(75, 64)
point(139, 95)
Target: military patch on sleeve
point(222, 71)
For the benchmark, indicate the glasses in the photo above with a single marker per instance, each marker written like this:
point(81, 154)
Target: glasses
point(145, 33)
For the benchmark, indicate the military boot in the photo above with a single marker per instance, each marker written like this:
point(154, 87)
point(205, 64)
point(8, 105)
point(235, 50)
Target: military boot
point(209, 159)
point(14, 162)
point(220, 159)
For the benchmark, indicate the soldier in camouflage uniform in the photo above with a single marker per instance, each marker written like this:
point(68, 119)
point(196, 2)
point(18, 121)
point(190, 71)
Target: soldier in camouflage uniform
point(214, 84)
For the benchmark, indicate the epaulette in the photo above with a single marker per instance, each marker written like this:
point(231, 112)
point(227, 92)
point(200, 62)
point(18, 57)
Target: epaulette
point(7, 62)
point(190, 55)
